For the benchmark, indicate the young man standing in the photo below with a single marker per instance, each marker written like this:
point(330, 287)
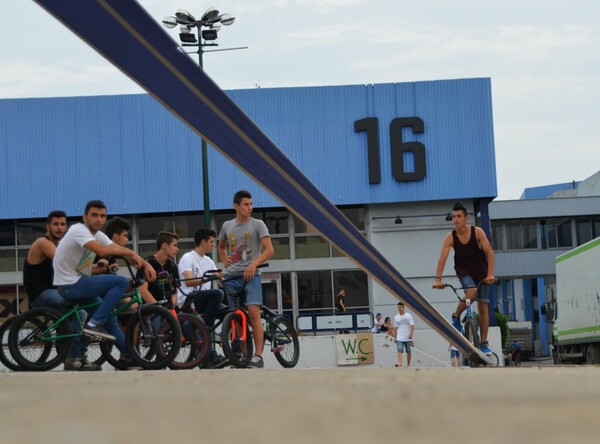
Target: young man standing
point(473, 263)
point(244, 244)
point(73, 263)
point(405, 328)
point(206, 300)
point(38, 277)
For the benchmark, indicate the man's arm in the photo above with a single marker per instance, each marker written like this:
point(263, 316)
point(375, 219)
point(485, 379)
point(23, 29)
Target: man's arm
point(222, 252)
point(489, 254)
point(115, 250)
point(446, 245)
point(266, 254)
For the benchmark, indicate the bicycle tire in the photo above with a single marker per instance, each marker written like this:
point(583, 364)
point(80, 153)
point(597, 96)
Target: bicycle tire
point(495, 360)
point(153, 343)
point(5, 356)
point(238, 352)
point(472, 331)
point(195, 342)
point(284, 341)
point(109, 352)
point(25, 343)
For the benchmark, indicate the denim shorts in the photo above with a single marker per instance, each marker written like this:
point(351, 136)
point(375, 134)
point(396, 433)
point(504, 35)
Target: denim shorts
point(454, 354)
point(252, 289)
point(403, 346)
point(483, 295)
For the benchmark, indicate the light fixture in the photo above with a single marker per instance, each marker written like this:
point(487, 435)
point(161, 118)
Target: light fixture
point(206, 35)
point(398, 220)
point(449, 217)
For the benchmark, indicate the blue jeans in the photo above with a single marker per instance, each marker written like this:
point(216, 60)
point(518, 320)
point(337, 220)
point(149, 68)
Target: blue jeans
point(108, 287)
point(252, 289)
point(52, 299)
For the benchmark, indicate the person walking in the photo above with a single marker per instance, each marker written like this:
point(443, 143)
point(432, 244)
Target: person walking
point(405, 327)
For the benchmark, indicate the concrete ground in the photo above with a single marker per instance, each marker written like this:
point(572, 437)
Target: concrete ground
point(349, 405)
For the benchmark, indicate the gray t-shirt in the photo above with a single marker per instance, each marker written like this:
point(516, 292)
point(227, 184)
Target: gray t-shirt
point(243, 243)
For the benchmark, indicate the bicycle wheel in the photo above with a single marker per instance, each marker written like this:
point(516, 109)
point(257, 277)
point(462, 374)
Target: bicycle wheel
point(195, 342)
point(472, 331)
point(238, 351)
point(495, 360)
point(284, 341)
point(34, 345)
point(153, 337)
point(5, 356)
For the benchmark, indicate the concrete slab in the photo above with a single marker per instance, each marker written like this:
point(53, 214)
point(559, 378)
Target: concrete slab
point(347, 405)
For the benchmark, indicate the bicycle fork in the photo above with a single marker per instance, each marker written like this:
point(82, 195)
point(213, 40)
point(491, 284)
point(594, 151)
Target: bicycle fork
point(241, 314)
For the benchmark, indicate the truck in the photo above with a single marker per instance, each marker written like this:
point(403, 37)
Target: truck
point(575, 309)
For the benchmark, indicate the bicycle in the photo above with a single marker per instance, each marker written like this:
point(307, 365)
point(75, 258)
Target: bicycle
point(40, 339)
point(195, 339)
point(236, 333)
point(471, 329)
point(5, 356)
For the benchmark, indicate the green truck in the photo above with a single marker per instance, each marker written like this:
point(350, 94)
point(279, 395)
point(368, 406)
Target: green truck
point(576, 308)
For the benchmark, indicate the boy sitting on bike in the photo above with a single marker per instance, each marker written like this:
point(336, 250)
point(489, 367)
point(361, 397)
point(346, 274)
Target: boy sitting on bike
point(207, 301)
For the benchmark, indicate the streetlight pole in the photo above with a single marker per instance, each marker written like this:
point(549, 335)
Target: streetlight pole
point(211, 21)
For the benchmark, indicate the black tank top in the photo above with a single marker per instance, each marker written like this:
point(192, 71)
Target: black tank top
point(469, 259)
point(37, 278)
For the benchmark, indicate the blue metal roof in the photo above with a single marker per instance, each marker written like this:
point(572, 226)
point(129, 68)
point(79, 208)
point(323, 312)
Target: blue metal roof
point(132, 153)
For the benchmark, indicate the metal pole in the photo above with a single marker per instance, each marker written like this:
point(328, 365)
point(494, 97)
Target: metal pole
point(206, 195)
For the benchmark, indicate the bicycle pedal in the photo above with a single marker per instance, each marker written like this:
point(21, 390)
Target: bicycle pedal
point(278, 349)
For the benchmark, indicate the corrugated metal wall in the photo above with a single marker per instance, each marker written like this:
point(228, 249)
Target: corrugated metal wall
point(132, 153)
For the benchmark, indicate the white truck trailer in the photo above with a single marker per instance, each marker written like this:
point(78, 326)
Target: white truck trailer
point(576, 308)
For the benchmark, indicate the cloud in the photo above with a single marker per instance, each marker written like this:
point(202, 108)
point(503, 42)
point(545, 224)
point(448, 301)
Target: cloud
point(23, 79)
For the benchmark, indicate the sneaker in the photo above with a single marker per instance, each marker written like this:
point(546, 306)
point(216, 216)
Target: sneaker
point(485, 349)
point(80, 365)
point(98, 331)
point(456, 323)
point(218, 362)
point(256, 362)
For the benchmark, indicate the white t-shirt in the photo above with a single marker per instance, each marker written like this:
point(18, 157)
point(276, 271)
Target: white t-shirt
point(197, 264)
point(72, 260)
point(402, 324)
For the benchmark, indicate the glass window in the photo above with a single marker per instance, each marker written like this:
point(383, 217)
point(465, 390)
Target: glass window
point(185, 247)
point(276, 221)
point(7, 233)
point(513, 238)
point(548, 229)
point(356, 216)
point(222, 217)
point(596, 226)
point(497, 235)
point(583, 228)
point(187, 224)
point(22, 255)
point(29, 231)
point(150, 226)
point(286, 292)
point(354, 282)
point(311, 247)
point(315, 290)
point(146, 249)
point(301, 227)
point(7, 260)
point(529, 234)
point(563, 233)
point(281, 245)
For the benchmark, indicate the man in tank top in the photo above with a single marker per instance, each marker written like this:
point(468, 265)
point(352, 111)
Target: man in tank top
point(473, 263)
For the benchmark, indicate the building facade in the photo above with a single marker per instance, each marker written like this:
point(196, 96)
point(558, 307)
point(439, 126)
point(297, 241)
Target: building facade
point(384, 154)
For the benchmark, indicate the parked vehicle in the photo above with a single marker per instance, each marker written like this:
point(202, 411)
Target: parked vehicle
point(576, 308)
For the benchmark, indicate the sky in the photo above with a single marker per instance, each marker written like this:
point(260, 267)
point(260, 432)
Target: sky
point(543, 58)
